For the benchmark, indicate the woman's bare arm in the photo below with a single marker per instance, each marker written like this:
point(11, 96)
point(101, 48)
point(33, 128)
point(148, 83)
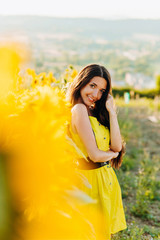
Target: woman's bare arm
point(115, 135)
point(81, 123)
point(116, 140)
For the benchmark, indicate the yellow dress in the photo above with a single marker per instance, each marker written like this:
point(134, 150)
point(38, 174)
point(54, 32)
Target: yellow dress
point(106, 214)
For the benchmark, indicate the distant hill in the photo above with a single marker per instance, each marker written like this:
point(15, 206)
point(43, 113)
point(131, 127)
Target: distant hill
point(129, 47)
point(92, 28)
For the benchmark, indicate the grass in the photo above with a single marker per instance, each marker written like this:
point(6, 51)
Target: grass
point(139, 175)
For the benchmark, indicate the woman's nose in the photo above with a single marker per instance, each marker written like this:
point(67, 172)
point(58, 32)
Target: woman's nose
point(95, 93)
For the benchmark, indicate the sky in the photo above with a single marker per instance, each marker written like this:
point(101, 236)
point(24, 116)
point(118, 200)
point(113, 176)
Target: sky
point(113, 9)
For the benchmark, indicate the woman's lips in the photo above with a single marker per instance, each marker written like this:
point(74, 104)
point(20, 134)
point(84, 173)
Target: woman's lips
point(91, 99)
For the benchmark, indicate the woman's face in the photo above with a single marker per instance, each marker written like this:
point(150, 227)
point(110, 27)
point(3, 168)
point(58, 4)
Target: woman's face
point(93, 91)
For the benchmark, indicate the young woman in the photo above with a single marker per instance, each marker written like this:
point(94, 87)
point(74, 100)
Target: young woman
point(94, 129)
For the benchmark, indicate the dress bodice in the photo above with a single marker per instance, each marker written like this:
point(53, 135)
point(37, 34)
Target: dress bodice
point(101, 134)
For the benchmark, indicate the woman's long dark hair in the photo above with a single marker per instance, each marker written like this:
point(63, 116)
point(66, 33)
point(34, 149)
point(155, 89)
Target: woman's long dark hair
point(99, 111)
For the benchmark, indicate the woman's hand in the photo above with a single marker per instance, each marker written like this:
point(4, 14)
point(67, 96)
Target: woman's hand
point(116, 154)
point(110, 104)
point(113, 154)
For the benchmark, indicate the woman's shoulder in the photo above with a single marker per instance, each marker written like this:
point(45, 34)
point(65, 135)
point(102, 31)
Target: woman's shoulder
point(79, 116)
point(79, 108)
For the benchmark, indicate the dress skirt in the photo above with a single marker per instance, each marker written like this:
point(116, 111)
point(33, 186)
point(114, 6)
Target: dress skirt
point(106, 213)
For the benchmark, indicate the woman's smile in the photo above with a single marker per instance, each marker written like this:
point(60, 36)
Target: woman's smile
point(93, 91)
point(91, 99)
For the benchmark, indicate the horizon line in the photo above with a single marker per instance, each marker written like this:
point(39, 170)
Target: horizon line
point(79, 17)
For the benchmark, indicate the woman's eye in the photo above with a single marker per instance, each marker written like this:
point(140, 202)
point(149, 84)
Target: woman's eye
point(92, 86)
point(102, 91)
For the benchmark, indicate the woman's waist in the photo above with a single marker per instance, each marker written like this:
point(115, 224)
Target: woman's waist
point(81, 163)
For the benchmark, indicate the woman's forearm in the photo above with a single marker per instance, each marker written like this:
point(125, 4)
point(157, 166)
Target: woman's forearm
point(102, 156)
point(115, 135)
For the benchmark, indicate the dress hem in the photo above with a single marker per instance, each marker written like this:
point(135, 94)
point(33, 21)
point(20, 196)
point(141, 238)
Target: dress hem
point(120, 229)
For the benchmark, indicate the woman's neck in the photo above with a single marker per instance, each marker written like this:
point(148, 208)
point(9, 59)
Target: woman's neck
point(90, 111)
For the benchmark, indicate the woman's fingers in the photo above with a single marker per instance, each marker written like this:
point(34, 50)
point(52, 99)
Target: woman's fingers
point(110, 103)
point(116, 154)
